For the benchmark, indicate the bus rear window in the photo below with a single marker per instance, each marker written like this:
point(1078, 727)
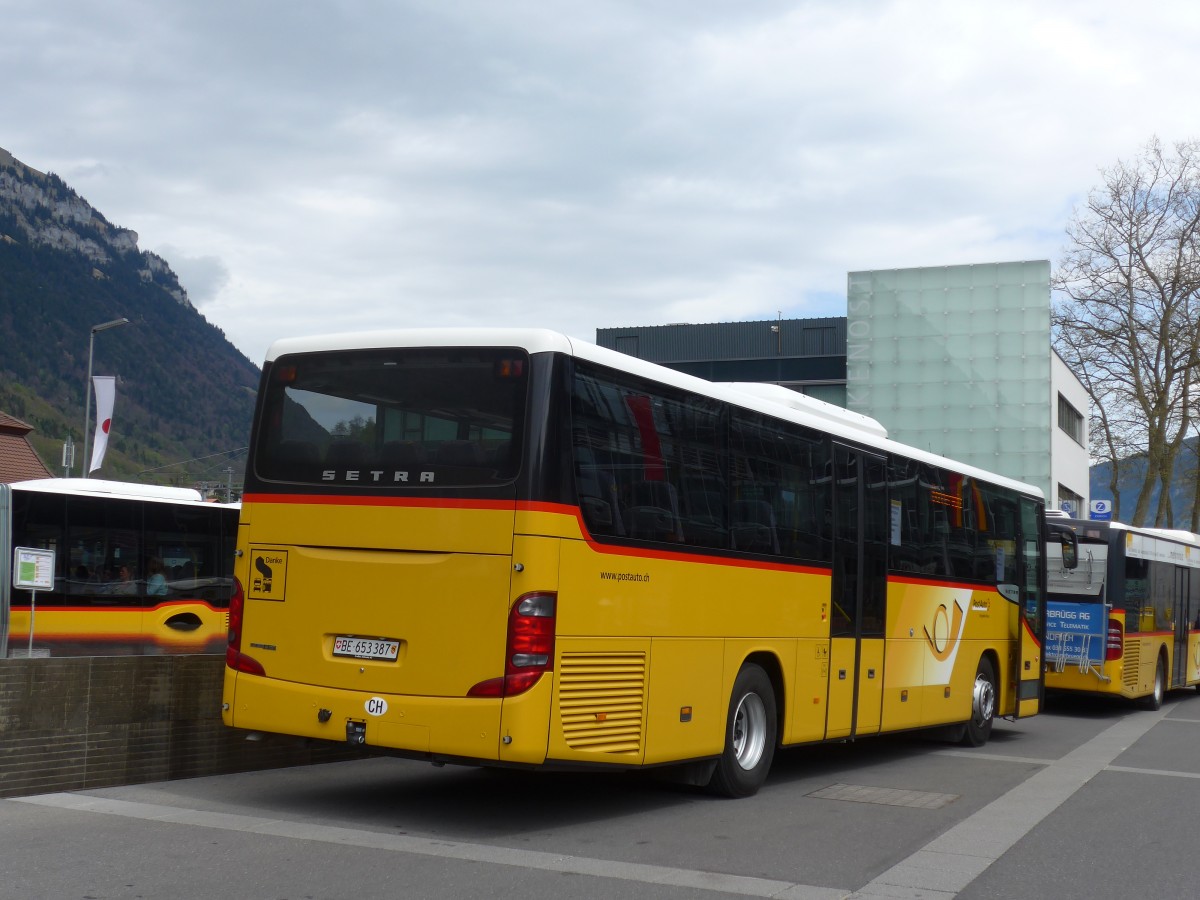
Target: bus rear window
point(398, 418)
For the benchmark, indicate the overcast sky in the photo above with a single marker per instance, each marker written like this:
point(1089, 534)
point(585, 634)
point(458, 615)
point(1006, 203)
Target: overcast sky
point(317, 166)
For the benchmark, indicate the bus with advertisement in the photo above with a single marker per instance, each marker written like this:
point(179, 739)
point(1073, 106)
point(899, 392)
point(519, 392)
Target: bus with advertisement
point(511, 547)
point(1125, 621)
point(138, 569)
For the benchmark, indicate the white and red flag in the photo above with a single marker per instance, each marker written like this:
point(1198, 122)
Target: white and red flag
point(106, 394)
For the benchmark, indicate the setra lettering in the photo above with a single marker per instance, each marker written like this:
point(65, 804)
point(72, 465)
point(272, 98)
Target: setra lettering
point(376, 476)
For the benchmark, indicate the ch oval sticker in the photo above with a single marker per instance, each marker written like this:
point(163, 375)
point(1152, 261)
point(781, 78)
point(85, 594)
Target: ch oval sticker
point(376, 706)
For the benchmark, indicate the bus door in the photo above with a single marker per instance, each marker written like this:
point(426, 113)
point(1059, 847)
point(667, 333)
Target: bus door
point(1031, 622)
point(859, 592)
point(1184, 615)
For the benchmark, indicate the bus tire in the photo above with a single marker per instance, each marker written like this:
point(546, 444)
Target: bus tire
point(1154, 700)
point(983, 705)
point(750, 732)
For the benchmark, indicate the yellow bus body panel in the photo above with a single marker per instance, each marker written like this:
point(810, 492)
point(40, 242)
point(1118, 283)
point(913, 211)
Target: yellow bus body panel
point(868, 717)
point(648, 643)
point(465, 727)
point(447, 609)
point(937, 634)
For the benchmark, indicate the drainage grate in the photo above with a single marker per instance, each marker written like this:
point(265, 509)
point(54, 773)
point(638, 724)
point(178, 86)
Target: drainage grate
point(860, 793)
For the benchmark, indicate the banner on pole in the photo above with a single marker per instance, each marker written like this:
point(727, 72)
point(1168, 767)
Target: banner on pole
point(106, 394)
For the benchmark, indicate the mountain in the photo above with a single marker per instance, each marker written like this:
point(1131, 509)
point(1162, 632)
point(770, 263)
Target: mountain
point(185, 394)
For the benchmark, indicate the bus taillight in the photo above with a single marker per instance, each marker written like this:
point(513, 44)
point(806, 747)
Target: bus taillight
point(529, 650)
point(234, 657)
point(1114, 647)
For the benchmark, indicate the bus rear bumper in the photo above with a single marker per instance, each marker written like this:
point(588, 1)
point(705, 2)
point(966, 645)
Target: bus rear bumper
point(466, 728)
point(1089, 681)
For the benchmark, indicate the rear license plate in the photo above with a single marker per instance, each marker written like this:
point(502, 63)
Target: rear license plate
point(365, 648)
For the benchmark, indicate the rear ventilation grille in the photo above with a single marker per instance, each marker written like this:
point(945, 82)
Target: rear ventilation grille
point(1133, 663)
point(602, 699)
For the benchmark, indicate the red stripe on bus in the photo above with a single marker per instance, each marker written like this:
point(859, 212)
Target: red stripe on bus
point(940, 582)
point(1029, 632)
point(707, 559)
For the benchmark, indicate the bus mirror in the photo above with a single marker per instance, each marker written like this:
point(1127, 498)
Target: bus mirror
point(1070, 550)
point(1069, 543)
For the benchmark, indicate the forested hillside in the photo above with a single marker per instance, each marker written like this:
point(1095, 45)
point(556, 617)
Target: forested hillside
point(183, 391)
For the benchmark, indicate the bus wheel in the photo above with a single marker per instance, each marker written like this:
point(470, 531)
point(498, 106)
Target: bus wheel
point(983, 705)
point(749, 736)
point(1155, 698)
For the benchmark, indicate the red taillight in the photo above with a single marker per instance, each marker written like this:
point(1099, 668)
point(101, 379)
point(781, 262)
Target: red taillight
point(234, 657)
point(529, 650)
point(1114, 646)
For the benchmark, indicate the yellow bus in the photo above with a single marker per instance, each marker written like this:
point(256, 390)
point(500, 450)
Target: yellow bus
point(1125, 622)
point(138, 569)
point(511, 547)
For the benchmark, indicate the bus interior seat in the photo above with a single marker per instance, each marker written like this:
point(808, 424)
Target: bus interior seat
point(499, 455)
point(402, 453)
point(458, 453)
point(347, 454)
point(705, 514)
point(597, 489)
point(296, 459)
point(652, 512)
point(754, 527)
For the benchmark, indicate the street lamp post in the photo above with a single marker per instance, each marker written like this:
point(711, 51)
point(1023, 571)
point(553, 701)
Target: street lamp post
point(87, 391)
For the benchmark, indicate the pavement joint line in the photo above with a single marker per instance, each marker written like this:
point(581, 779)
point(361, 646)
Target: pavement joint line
point(691, 879)
point(997, 757)
point(983, 837)
point(1168, 773)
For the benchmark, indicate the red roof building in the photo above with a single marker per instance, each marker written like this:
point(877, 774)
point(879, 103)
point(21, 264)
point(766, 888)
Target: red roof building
point(18, 460)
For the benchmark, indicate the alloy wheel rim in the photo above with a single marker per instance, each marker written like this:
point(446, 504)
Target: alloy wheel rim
point(749, 731)
point(984, 701)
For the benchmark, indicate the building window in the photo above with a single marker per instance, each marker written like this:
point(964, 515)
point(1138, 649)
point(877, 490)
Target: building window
point(1070, 420)
point(1070, 502)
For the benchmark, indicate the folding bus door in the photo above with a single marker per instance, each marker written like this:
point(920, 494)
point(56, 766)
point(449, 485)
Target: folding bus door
point(1184, 615)
point(859, 593)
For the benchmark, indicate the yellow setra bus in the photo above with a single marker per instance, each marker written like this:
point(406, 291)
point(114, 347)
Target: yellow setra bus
point(1125, 622)
point(511, 547)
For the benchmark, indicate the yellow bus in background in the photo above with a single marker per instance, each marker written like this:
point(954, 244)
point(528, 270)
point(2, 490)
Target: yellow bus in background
point(138, 569)
point(1125, 622)
point(511, 547)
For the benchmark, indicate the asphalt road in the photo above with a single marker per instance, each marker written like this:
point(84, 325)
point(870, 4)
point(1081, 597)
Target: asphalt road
point(1091, 799)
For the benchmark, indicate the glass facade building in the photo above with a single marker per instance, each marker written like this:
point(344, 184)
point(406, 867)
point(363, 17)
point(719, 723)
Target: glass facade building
point(955, 360)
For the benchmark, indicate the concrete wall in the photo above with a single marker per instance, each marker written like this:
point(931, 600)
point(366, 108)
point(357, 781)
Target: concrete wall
point(68, 723)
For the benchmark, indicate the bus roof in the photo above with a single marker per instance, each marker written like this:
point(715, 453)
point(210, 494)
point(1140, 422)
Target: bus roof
point(801, 410)
point(125, 490)
point(1178, 535)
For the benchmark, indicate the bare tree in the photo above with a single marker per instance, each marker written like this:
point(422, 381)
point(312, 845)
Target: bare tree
point(1127, 317)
